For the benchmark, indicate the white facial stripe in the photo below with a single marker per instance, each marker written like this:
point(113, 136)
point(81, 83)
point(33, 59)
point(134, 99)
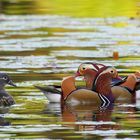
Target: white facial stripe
point(92, 67)
point(100, 66)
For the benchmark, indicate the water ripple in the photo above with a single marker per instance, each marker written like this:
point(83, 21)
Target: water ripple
point(107, 132)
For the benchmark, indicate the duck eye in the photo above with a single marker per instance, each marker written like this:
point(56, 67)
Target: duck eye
point(112, 71)
point(5, 78)
point(84, 68)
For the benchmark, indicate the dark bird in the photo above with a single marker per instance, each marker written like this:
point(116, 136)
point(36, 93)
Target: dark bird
point(5, 98)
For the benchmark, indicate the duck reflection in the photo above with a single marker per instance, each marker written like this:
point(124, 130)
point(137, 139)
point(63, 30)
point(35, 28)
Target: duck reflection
point(79, 115)
point(3, 121)
point(93, 117)
point(89, 118)
point(53, 109)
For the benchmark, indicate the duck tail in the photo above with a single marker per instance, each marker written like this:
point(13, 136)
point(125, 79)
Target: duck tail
point(48, 89)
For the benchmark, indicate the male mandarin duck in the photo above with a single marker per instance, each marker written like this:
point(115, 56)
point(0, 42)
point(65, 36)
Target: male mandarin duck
point(5, 98)
point(120, 87)
point(102, 95)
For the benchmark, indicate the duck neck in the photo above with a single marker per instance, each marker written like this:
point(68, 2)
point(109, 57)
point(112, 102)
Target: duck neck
point(2, 88)
point(89, 78)
point(3, 92)
point(102, 85)
point(67, 86)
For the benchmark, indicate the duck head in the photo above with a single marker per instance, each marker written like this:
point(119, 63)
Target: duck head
point(5, 79)
point(88, 65)
point(89, 76)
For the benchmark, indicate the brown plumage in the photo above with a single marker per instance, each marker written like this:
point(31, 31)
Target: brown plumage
point(122, 90)
point(85, 96)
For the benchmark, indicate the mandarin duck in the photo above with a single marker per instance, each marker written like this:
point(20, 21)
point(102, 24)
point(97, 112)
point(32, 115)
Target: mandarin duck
point(120, 86)
point(54, 95)
point(5, 98)
point(101, 96)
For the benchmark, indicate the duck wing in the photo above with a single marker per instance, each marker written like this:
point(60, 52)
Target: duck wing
point(48, 89)
point(117, 82)
point(6, 100)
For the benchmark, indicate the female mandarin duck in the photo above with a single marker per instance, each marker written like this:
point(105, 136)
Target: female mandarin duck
point(5, 98)
point(102, 95)
point(125, 86)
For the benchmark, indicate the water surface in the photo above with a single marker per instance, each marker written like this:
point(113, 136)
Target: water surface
point(40, 47)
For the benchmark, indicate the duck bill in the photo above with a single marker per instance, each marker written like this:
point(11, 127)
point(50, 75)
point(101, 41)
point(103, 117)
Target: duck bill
point(77, 74)
point(11, 83)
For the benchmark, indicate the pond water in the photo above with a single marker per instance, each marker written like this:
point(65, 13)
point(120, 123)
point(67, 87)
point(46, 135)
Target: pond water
point(43, 41)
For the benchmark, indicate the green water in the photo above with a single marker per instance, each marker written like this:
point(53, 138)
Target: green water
point(43, 41)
